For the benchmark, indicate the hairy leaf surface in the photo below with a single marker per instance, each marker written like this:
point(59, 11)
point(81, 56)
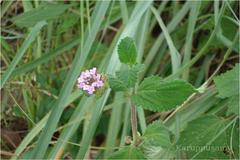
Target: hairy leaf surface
point(157, 134)
point(125, 78)
point(157, 95)
point(228, 83)
point(127, 51)
point(196, 138)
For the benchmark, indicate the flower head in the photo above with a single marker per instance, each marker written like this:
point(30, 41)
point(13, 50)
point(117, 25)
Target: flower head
point(90, 81)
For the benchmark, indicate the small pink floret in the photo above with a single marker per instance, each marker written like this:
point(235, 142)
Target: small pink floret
point(99, 83)
point(93, 71)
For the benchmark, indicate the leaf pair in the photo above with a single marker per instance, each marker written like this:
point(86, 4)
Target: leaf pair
point(153, 93)
point(125, 78)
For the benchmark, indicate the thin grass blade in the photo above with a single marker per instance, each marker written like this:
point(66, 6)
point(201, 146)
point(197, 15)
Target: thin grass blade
point(29, 39)
point(78, 63)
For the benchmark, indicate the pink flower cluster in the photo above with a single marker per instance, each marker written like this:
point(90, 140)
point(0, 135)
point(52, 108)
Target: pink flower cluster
point(90, 81)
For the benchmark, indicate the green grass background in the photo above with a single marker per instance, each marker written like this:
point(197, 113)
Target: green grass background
point(45, 45)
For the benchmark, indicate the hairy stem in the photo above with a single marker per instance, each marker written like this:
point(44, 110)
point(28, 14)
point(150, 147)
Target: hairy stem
point(134, 123)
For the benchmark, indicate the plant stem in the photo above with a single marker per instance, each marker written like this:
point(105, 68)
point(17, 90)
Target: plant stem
point(134, 123)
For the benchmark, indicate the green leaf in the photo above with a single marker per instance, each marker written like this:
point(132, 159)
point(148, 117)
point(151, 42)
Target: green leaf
point(156, 142)
point(156, 134)
point(44, 12)
point(128, 75)
point(129, 152)
point(157, 95)
point(233, 134)
point(116, 84)
point(127, 51)
point(198, 134)
point(125, 78)
point(233, 105)
point(227, 83)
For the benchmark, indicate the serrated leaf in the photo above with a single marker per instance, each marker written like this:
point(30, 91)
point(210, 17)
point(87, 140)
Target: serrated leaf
point(129, 152)
point(157, 95)
point(129, 76)
point(227, 83)
point(125, 78)
point(156, 134)
point(156, 142)
point(198, 134)
point(127, 51)
point(116, 84)
point(45, 12)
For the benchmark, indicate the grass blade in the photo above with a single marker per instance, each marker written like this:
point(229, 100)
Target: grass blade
point(67, 132)
point(193, 109)
point(91, 129)
point(45, 58)
point(29, 39)
point(114, 124)
point(124, 11)
point(175, 56)
point(171, 27)
point(75, 70)
point(191, 25)
point(126, 125)
point(39, 126)
point(4, 6)
point(204, 48)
